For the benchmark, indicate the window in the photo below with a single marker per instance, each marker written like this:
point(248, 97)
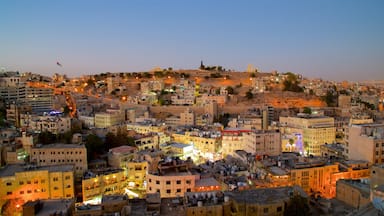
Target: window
point(55, 179)
point(150, 180)
point(21, 192)
point(158, 190)
point(157, 182)
point(55, 188)
point(42, 181)
point(188, 181)
point(279, 209)
point(188, 189)
point(68, 186)
point(265, 210)
point(9, 183)
point(67, 177)
point(178, 182)
point(168, 182)
point(36, 181)
point(21, 182)
point(28, 182)
point(29, 191)
point(168, 191)
point(178, 190)
point(9, 193)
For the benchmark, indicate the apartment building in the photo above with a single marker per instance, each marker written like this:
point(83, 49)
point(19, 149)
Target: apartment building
point(45, 123)
point(232, 140)
point(60, 154)
point(173, 179)
point(120, 156)
point(207, 143)
point(263, 142)
point(27, 182)
point(366, 142)
point(104, 182)
point(107, 119)
point(314, 131)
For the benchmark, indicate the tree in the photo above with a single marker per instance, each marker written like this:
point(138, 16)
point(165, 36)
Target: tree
point(230, 90)
point(307, 110)
point(297, 206)
point(217, 91)
point(94, 145)
point(249, 94)
point(46, 137)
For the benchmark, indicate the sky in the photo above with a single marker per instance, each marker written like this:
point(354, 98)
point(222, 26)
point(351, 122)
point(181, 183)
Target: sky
point(328, 39)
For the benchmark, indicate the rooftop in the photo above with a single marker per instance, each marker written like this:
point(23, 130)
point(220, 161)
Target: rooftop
point(11, 169)
point(52, 206)
point(58, 145)
point(205, 182)
point(265, 195)
point(122, 149)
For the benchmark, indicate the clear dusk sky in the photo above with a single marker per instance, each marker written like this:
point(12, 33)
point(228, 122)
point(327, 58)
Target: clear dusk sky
point(329, 39)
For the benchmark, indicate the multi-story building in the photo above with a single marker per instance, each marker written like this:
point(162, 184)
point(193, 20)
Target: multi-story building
point(147, 141)
point(353, 192)
point(104, 182)
point(106, 119)
point(207, 143)
point(137, 174)
point(15, 110)
point(187, 117)
point(173, 179)
point(59, 154)
point(14, 89)
point(314, 131)
point(34, 182)
point(232, 140)
point(146, 128)
point(120, 156)
point(260, 201)
point(46, 123)
point(263, 142)
point(366, 142)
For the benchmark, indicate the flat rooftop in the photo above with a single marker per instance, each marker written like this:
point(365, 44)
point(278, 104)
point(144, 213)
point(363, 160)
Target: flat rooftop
point(264, 196)
point(12, 169)
point(53, 206)
point(58, 145)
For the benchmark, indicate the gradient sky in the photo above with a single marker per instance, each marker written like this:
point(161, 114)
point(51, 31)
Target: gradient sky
point(329, 39)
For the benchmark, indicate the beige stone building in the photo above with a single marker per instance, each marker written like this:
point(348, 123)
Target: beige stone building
point(120, 156)
point(104, 182)
point(208, 145)
point(35, 182)
point(187, 117)
point(315, 131)
point(366, 142)
point(60, 154)
point(104, 120)
point(353, 192)
point(232, 140)
point(172, 180)
point(53, 124)
point(263, 142)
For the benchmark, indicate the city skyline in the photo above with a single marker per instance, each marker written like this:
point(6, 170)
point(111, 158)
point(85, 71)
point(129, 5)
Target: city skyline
point(327, 39)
